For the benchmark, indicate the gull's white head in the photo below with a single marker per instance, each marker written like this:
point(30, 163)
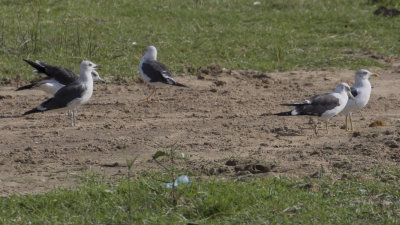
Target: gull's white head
point(87, 67)
point(344, 87)
point(151, 53)
point(364, 75)
point(96, 76)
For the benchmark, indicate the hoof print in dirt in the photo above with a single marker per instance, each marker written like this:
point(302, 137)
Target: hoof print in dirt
point(220, 170)
point(25, 160)
point(254, 168)
point(342, 165)
point(395, 155)
point(345, 176)
point(210, 70)
point(200, 77)
point(110, 164)
point(219, 83)
point(261, 76)
point(232, 162)
point(316, 175)
point(28, 149)
point(392, 144)
point(5, 96)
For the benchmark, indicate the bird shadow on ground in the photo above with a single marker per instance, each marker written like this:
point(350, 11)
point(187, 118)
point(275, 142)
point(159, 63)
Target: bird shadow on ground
point(11, 116)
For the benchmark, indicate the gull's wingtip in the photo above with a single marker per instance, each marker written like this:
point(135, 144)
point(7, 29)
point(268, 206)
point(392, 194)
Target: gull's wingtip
point(288, 113)
point(34, 110)
point(180, 85)
point(29, 86)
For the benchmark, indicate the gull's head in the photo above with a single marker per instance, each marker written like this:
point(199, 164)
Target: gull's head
point(96, 76)
point(344, 87)
point(364, 74)
point(88, 66)
point(151, 53)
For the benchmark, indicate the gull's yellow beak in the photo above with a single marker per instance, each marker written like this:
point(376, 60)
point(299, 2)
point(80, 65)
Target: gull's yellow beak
point(375, 75)
point(350, 95)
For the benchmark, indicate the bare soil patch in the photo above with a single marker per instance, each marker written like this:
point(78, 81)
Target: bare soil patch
point(224, 122)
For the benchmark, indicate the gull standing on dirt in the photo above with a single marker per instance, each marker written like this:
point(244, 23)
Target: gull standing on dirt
point(57, 77)
point(361, 91)
point(72, 95)
point(154, 72)
point(325, 106)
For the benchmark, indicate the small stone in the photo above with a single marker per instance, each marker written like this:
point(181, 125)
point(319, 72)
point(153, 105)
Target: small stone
point(392, 144)
point(388, 132)
point(222, 170)
point(356, 134)
point(345, 176)
point(212, 171)
point(315, 175)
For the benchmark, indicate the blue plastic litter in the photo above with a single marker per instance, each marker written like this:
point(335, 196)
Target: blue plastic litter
point(184, 179)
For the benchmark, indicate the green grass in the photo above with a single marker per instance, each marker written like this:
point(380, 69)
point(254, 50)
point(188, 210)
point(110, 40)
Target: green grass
point(211, 201)
point(276, 35)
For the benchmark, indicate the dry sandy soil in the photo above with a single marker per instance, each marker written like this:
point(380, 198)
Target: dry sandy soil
point(224, 122)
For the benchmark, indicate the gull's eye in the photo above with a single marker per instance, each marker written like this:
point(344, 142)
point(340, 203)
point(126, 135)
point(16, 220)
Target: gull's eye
point(90, 64)
point(364, 73)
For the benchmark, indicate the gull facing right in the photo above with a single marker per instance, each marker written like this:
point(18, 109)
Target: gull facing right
point(72, 95)
point(361, 91)
point(325, 106)
point(155, 72)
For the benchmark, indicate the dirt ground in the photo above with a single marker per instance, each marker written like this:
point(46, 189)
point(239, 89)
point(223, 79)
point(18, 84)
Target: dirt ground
point(223, 122)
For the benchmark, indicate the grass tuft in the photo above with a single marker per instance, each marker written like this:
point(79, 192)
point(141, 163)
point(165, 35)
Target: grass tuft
point(212, 201)
point(275, 35)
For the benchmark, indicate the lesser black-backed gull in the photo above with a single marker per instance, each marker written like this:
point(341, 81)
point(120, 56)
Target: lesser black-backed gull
point(325, 106)
point(57, 77)
point(361, 91)
point(154, 72)
point(72, 95)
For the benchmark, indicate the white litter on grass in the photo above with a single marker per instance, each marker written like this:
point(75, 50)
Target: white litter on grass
point(257, 3)
point(184, 179)
point(134, 43)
